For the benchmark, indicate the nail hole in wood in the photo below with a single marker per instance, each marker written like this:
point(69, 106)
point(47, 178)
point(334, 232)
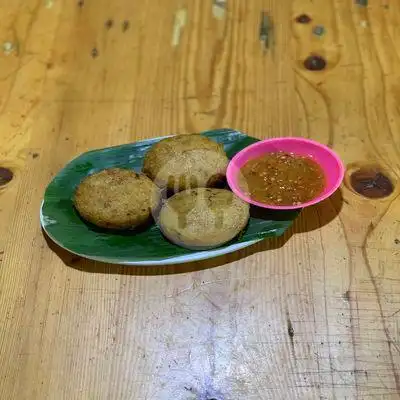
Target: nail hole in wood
point(314, 62)
point(303, 19)
point(6, 176)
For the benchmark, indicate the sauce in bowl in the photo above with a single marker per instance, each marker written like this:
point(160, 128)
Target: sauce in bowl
point(283, 179)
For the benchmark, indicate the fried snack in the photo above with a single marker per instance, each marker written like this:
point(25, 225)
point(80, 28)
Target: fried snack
point(200, 219)
point(116, 198)
point(186, 161)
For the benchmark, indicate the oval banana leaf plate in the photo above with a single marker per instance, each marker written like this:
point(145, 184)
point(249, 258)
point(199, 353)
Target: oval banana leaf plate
point(63, 225)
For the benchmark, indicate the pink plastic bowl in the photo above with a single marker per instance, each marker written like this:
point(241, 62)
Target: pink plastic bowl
point(324, 156)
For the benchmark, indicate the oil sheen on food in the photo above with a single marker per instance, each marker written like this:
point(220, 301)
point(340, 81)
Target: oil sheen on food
point(283, 179)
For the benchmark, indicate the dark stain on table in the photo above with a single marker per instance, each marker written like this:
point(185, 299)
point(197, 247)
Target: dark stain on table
point(109, 23)
point(94, 53)
point(303, 19)
point(290, 331)
point(314, 62)
point(6, 176)
point(125, 25)
point(371, 183)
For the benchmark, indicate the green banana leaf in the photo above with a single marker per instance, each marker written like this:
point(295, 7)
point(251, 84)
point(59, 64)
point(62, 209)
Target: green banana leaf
point(64, 226)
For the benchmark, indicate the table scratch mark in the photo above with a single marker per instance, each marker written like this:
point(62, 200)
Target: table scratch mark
point(392, 315)
point(290, 333)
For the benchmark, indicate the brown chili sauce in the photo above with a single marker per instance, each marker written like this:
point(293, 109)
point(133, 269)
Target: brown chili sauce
point(283, 179)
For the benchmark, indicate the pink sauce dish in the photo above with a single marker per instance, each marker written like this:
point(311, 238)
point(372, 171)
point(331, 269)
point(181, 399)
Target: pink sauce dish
point(327, 159)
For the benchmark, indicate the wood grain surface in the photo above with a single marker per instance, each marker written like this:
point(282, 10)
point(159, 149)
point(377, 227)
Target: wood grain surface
point(315, 315)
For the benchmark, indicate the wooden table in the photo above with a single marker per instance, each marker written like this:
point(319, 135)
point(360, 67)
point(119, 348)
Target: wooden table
point(314, 315)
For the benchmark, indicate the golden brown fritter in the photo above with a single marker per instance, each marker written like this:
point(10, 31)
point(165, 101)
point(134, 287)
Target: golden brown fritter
point(116, 198)
point(186, 161)
point(203, 218)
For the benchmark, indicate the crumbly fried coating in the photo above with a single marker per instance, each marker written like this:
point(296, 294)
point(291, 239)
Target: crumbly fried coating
point(116, 198)
point(186, 161)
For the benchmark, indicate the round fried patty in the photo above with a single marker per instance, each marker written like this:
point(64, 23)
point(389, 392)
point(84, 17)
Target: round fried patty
point(116, 198)
point(203, 218)
point(186, 161)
